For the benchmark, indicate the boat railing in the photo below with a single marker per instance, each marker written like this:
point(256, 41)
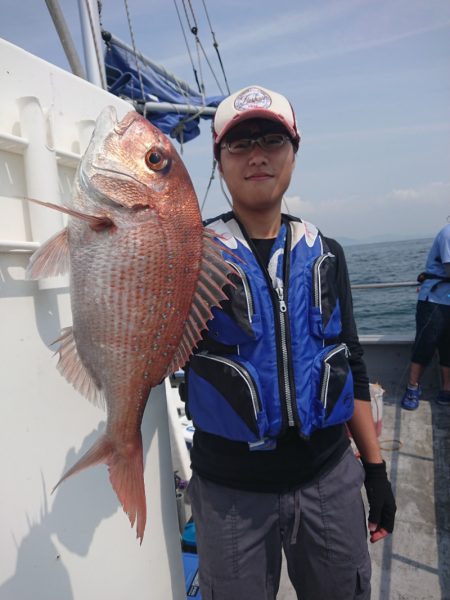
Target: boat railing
point(24, 246)
point(389, 284)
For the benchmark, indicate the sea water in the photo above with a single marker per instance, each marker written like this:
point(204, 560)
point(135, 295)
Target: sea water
point(386, 310)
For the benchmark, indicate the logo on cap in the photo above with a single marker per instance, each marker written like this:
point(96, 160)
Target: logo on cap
point(252, 98)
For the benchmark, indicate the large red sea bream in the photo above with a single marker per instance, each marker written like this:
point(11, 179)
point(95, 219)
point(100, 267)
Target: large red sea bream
point(144, 274)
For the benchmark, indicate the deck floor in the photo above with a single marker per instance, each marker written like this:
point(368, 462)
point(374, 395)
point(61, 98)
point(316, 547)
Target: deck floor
point(413, 563)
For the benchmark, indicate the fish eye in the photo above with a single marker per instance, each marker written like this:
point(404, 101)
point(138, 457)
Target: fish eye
point(155, 160)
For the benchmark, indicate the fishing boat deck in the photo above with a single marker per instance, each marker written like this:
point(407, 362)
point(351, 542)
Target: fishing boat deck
point(413, 563)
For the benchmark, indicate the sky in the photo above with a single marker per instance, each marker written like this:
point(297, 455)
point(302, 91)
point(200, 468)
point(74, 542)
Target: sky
point(369, 81)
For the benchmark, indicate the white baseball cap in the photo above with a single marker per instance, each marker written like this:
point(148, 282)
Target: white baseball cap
point(254, 102)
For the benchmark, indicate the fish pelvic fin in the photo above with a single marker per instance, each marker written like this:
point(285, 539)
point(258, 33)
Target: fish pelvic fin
point(51, 259)
point(213, 277)
point(126, 473)
point(71, 367)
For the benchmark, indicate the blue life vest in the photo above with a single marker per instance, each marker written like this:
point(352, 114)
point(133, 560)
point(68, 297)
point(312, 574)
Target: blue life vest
point(271, 358)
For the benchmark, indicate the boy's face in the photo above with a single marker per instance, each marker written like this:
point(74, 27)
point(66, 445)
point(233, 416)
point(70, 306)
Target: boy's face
point(258, 178)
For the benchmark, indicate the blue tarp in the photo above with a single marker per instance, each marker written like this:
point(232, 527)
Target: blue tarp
point(123, 80)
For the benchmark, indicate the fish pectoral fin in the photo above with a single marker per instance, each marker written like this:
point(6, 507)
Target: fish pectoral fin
point(212, 278)
point(51, 259)
point(71, 367)
point(96, 222)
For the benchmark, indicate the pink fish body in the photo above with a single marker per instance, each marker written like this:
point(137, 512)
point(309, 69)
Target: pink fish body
point(144, 274)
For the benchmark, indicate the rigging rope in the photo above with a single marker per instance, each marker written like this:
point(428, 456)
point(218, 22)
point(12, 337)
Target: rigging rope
point(209, 184)
point(130, 27)
point(216, 46)
point(187, 46)
point(194, 30)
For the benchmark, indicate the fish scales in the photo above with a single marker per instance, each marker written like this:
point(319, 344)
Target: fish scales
point(144, 275)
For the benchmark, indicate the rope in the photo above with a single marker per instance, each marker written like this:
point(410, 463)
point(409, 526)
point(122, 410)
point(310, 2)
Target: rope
point(224, 192)
point(216, 46)
point(133, 43)
point(390, 445)
point(94, 38)
point(202, 84)
point(187, 46)
point(194, 30)
point(285, 204)
point(209, 184)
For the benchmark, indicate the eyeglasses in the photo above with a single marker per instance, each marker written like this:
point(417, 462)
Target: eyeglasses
point(269, 143)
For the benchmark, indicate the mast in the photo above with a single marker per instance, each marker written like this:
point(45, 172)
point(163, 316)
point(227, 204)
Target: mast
point(92, 42)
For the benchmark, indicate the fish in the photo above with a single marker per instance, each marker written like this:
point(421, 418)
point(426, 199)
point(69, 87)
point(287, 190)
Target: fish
point(144, 276)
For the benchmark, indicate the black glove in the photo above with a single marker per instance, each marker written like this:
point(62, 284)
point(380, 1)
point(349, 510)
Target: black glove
point(382, 505)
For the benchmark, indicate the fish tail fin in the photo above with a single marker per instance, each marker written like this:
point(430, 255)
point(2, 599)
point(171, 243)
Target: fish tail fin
point(126, 473)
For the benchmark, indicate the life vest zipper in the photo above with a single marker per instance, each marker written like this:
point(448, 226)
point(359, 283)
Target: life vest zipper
point(285, 355)
point(317, 280)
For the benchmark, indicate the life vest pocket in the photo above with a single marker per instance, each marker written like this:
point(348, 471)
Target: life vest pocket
point(238, 320)
point(333, 402)
point(224, 397)
point(324, 309)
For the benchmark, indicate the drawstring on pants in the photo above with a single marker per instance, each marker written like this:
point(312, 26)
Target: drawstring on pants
point(297, 514)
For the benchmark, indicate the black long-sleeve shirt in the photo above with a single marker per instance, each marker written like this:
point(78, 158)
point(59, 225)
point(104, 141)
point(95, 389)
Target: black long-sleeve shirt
point(294, 461)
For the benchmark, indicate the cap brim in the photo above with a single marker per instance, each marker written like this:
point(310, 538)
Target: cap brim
point(257, 113)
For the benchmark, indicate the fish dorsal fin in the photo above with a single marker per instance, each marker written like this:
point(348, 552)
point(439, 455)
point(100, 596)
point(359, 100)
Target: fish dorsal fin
point(51, 259)
point(71, 367)
point(213, 277)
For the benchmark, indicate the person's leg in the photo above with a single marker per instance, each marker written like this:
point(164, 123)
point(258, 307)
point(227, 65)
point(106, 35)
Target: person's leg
point(443, 396)
point(238, 541)
point(327, 556)
point(415, 373)
point(444, 358)
point(427, 337)
point(445, 378)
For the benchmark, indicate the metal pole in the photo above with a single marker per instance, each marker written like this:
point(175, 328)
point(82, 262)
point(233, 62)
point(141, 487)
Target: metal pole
point(185, 109)
point(92, 42)
point(65, 38)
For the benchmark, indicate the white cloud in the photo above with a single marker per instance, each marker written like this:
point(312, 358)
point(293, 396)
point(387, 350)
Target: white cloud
point(417, 212)
point(435, 193)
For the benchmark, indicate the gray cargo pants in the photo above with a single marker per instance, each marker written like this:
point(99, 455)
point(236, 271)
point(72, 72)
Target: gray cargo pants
point(320, 526)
